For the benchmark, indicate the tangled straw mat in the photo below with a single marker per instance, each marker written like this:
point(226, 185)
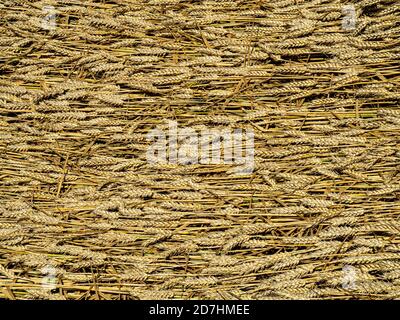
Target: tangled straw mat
point(84, 215)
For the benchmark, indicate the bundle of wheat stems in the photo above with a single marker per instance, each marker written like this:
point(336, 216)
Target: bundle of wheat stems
point(85, 215)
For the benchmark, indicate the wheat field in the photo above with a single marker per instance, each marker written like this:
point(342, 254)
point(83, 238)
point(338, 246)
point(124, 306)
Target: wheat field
point(85, 215)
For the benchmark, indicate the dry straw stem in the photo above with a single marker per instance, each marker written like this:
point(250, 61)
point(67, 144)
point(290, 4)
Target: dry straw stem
point(81, 206)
